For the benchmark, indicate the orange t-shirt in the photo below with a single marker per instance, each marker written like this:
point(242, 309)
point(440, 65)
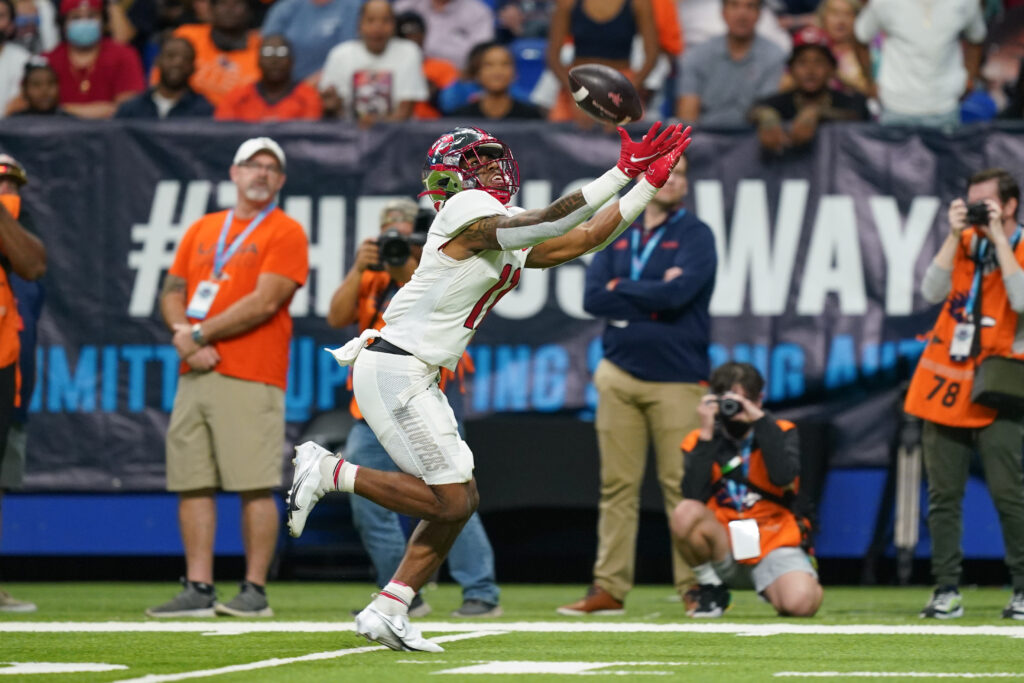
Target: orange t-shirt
point(10, 321)
point(440, 73)
point(217, 72)
point(666, 20)
point(246, 103)
point(278, 245)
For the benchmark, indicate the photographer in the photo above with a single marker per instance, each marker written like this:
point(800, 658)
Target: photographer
point(382, 265)
point(977, 274)
point(735, 525)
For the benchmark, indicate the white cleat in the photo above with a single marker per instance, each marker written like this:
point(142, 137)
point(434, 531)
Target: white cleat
point(394, 631)
point(308, 485)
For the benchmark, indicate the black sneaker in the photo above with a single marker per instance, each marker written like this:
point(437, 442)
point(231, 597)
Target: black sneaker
point(711, 602)
point(194, 600)
point(250, 602)
point(1015, 610)
point(945, 603)
point(478, 608)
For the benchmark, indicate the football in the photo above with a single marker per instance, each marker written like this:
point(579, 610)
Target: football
point(605, 94)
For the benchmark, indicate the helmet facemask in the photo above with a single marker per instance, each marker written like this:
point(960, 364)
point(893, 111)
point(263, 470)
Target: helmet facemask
point(469, 158)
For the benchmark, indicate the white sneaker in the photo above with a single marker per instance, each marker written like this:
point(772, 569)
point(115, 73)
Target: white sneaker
point(394, 631)
point(308, 485)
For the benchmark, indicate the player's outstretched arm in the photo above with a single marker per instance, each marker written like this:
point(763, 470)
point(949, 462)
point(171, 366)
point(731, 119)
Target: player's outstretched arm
point(529, 228)
point(609, 223)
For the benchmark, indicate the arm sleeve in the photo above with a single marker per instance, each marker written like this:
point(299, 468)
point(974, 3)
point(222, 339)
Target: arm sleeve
point(867, 26)
point(1015, 290)
point(289, 253)
point(597, 300)
point(936, 283)
point(976, 31)
point(689, 82)
point(181, 256)
point(773, 76)
point(698, 261)
point(697, 472)
point(781, 450)
point(411, 85)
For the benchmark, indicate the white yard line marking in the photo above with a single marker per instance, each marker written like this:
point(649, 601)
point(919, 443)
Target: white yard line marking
point(564, 668)
point(279, 661)
point(894, 674)
point(21, 668)
point(226, 627)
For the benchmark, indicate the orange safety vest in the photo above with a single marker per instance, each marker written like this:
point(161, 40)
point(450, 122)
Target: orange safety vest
point(10, 321)
point(776, 523)
point(940, 390)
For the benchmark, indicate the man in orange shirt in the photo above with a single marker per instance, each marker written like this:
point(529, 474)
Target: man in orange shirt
point(24, 254)
point(276, 96)
point(225, 299)
point(227, 51)
point(735, 526)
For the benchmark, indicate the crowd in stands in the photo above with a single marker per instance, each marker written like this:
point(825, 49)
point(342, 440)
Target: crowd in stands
point(781, 66)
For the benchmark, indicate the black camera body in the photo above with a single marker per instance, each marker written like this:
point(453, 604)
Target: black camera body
point(394, 247)
point(977, 214)
point(729, 407)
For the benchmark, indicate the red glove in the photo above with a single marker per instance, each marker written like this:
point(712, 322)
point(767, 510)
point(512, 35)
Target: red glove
point(636, 157)
point(659, 171)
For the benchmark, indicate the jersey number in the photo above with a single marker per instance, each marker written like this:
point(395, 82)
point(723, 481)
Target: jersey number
point(952, 391)
point(484, 305)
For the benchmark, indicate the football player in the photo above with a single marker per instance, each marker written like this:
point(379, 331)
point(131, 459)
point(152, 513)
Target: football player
point(475, 252)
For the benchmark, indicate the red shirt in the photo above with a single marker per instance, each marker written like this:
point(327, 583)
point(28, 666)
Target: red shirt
point(116, 71)
point(246, 103)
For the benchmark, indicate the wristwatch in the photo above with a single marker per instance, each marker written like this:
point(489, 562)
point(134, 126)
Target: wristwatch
point(197, 334)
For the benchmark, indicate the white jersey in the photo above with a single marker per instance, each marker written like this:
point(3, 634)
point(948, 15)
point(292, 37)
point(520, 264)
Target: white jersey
point(434, 315)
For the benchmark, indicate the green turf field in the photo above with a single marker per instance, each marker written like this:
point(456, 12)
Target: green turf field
point(859, 632)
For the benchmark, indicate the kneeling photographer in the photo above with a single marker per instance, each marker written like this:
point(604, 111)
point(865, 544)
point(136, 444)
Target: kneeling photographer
point(969, 384)
point(735, 525)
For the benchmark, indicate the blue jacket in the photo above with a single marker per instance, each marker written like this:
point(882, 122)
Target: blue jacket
point(657, 331)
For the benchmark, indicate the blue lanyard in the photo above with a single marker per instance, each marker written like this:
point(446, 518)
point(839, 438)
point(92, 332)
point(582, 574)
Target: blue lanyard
point(220, 257)
point(738, 492)
point(979, 267)
point(639, 259)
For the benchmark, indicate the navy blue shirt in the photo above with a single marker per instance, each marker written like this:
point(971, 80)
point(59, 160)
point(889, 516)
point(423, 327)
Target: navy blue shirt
point(143, 107)
point(657, 331)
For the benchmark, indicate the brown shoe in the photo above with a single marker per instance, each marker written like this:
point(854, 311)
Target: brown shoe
point(597, 601)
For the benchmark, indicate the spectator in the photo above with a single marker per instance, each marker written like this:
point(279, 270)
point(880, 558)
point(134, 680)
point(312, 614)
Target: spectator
point(171, 97)
point(276, 96)
point(837, 18)
point(523, 19)
point(601, 33)
point(228, 312)
point(495, 75)
point(702, 20)
point(720, 79)
point(227, 51)
point(35, 27)
point(146, 24)
point(977, 277)
point(313, 27)
point(453, 26)
point(736, 526)
point(40, 93)
point(95, 74)
point(377, 77)
point(653, 287)
point(362, 298)
point(924, 71)
point(24, 259)
point(812, 66)
point(13, 58)
point(439, 73)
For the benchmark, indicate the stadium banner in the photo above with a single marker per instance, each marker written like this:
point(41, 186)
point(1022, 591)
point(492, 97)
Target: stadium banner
point(820, 255)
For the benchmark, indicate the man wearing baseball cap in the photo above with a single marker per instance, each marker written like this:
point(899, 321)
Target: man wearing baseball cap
point(95, 73)
point(791, 118)
point(27, 262)
point(225, 301)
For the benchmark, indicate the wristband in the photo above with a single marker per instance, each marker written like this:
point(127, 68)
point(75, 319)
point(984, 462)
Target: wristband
point(197, 334)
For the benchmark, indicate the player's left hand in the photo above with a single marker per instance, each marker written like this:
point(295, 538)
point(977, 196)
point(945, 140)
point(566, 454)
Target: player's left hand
point(636, 156)
point(657, 175)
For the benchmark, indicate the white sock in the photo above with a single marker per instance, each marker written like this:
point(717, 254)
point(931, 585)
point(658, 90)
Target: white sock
point(394, 598)
point(338, 474)
point(706, 575)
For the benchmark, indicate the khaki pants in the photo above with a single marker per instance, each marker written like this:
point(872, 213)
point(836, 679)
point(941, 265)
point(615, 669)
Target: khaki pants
point(631, 415)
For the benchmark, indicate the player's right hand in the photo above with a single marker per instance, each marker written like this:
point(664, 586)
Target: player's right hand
point(367, 255)
point(659, 171)
point(636, 156)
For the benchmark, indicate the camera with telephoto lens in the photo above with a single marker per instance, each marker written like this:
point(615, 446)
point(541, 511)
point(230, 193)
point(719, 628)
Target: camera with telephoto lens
point(977, 213)
point(729, 407)
point(394, 247)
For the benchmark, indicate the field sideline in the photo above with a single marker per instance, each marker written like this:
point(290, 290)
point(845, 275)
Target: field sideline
point(96, 632)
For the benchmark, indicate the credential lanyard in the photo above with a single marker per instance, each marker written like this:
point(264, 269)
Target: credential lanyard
point(979, 267)
point(221, 257)
point(738, 492)
point(639, 259)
